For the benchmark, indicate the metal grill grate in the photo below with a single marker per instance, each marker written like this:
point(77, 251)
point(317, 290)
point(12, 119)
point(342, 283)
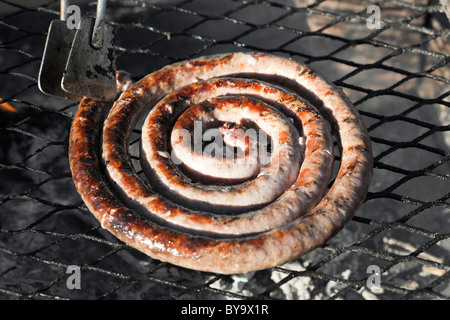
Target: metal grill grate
point(397, 76)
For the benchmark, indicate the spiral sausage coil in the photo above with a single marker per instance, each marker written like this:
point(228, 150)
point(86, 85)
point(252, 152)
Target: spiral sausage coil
point(238, 155)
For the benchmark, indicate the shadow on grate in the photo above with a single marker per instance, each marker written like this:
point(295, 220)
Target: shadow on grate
point(397, 76)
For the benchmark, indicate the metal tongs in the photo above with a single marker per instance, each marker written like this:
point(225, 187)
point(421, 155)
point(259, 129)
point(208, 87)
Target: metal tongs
point(79, 62)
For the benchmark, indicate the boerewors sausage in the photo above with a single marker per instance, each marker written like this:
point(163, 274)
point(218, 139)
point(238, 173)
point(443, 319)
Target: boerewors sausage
point(230, 202)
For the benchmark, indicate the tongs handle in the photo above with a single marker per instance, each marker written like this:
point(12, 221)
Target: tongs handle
point(63, 10)
point(97, 35)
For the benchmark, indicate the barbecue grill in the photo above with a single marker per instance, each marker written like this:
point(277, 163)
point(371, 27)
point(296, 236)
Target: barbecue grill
point(396, 74)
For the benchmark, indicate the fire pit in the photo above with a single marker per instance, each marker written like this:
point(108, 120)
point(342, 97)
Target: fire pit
point(394, 67)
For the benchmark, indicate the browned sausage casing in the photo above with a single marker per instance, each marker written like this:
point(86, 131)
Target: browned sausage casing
point(294, 222)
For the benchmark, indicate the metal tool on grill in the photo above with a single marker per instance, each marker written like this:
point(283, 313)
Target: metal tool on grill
point(79, 62)
point(54, 60)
